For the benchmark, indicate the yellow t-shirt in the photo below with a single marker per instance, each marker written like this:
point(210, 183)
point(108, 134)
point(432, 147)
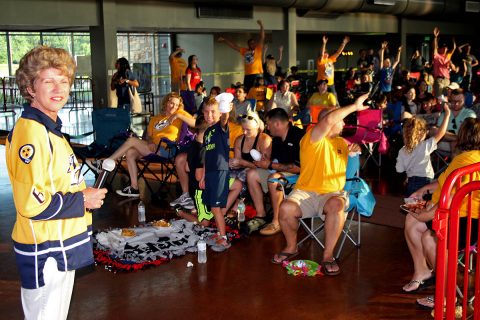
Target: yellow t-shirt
point(178, 68)
point(326, 99)
point(326, 70)
point(323, 165)
point(464, 159)
point(261, 94)
point(236, 130)
point(171, 132)
point(252, 60)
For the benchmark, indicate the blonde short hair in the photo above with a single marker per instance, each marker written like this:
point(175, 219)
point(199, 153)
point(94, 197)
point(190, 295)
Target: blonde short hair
point(170, 96)
point(39, 59)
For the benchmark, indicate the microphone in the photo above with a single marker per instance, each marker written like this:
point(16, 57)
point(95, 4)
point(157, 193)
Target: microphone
point(107, 166)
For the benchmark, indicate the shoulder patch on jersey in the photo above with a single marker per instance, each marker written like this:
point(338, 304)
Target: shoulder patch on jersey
point(26, 153)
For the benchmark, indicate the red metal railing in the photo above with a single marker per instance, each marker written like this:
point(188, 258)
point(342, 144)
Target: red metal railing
point(446, 222)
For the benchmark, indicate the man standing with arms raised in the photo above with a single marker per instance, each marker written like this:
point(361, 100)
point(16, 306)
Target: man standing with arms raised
point(252, 57)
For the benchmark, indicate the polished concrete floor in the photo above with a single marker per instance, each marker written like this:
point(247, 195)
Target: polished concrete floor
point(241, 283)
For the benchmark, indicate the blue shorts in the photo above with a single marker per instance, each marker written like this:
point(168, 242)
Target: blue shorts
point(216, 189)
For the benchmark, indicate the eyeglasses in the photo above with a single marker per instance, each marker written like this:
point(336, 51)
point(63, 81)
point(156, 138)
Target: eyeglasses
point(454, 124)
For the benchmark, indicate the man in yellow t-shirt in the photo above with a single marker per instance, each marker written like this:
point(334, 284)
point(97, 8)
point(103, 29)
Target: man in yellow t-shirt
point(319, 189)
point(325, 68)
point(252, 57)
point(178, 67)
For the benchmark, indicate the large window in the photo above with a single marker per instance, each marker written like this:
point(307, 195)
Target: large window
point(14, 45)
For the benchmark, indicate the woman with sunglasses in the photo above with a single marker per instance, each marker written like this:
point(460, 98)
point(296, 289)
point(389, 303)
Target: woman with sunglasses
point(252, 138)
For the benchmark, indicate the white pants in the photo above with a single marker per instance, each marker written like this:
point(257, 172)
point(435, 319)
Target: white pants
point(53, 299)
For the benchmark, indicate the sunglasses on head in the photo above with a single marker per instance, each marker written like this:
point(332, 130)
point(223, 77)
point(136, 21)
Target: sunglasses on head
point(244, 116)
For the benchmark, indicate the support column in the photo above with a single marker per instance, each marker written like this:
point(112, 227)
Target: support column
point(103, 43)
point(403, 42)
point(288, 39)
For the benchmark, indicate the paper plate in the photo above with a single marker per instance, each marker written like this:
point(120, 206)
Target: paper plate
point(306, 268)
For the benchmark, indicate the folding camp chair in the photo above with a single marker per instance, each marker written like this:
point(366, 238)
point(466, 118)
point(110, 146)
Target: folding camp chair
point(368, 132)
point(111, 127)
point(361, 202)
point(166, 171)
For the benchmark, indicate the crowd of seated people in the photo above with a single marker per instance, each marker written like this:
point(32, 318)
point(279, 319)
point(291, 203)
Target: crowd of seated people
point(417, 98)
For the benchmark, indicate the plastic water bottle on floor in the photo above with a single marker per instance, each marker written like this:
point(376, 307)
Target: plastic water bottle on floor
point(141, 212)
point(241, 210)
point(202, 251)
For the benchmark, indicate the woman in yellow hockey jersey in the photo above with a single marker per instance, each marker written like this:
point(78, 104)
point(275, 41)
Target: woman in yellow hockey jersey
point(52, 232)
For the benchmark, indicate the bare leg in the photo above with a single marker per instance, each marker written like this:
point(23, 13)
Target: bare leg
point(289, 214)
point(429, 242)
point(414, 231)
point(141, 146)
point(256, 192)
point(219, 220)
point(276, 197)
point(132, 156)
point(180, 166)
point(235, 190)
point(192, 218)
point(334, 220)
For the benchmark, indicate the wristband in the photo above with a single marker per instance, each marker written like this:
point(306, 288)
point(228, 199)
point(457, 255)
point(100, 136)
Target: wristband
point(127, 81)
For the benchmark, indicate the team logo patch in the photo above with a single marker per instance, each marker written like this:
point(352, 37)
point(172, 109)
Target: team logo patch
point(26, 153)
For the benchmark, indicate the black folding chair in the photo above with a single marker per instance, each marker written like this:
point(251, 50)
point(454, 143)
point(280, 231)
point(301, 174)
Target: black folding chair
point(160, 167)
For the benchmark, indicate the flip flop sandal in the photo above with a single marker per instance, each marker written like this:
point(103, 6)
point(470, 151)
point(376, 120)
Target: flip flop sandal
point(427, 303)
point(285, 257)
point(327, 267)
point(422, 284)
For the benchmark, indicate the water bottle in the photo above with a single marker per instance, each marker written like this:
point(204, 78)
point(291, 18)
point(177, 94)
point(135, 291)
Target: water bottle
point(141, 212)
point(202, 251)
point(241, 210)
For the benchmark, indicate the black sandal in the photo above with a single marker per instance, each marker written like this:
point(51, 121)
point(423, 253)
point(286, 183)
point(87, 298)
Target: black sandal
point(331, 264)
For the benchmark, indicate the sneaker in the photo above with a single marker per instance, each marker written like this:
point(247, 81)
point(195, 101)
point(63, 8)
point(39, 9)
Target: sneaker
point(270, 229)
point(129, 192)
point(183, 201)
point(221, 245)
point(94, 165)
point(188, 204)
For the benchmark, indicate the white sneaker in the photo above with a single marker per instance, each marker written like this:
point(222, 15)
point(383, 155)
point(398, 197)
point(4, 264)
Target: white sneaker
point(183, 200)
point(95, 165)
point(129, 192)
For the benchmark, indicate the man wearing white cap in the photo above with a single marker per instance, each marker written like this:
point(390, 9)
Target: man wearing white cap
point(216, 148)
